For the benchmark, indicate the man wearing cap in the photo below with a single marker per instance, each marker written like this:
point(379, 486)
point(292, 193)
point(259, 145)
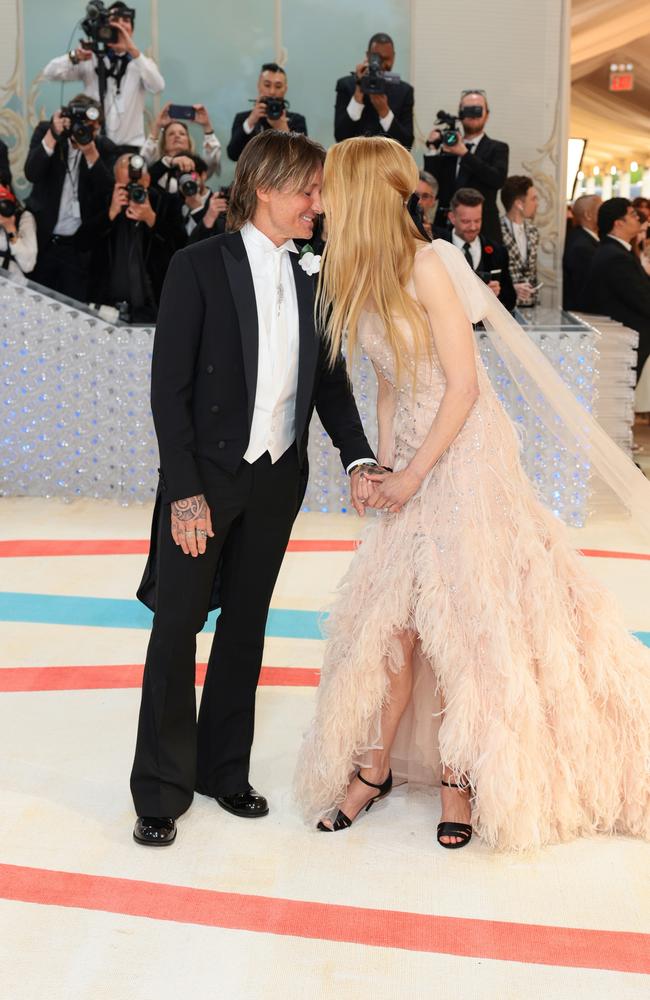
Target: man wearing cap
point(617, 285)
point(129, 75)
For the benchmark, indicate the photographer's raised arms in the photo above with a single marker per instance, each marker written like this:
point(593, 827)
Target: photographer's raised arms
point(463, 156)
point(113, 70)
point(270, 110)
point(372, 100)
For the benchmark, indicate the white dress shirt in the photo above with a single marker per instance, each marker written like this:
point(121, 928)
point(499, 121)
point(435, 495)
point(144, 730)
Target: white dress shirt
point(474, 247)
point(69, 218)
point(355, 110)
point(274, 416)
point(124, 108)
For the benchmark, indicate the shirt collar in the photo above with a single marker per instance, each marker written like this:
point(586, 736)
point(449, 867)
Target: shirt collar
point(474, 139)
point(255, 238)
point(628, 246)
point(591, 233)
point(460, 242)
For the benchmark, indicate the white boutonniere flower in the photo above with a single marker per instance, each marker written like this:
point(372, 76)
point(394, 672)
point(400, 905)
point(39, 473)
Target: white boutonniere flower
point(308, 260)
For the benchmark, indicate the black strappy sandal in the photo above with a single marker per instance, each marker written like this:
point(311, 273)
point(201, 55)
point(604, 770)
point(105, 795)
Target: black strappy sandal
point(462, 830)
point(342, 822)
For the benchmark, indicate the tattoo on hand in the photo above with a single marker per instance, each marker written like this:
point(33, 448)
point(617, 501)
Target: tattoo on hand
point(189, 509)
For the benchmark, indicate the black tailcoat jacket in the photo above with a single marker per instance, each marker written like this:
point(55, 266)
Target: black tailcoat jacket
point(204, 375)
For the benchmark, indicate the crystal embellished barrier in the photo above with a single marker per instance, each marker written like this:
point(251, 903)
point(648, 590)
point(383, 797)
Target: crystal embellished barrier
point(76, 418)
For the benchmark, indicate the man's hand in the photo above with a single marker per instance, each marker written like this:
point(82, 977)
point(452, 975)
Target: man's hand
point(125, 40)
point(280, 124)
point(184, 164)
point(393, 490)
point(258, 112)
point(202, 118)
point(191, 524)
point(434, 136)
point(380, 104)
point(216, 206)
point(360, 486)
point(8, 224)
point(525, 291)
point(82, 55)
point(459, 149)
point(119, 201)
point(496, 287)
point(59, 124)
point(141, 213)
point(360, 70)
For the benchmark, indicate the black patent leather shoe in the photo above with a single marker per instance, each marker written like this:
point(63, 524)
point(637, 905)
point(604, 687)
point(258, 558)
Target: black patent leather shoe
point(249, 804)
point(155, 831)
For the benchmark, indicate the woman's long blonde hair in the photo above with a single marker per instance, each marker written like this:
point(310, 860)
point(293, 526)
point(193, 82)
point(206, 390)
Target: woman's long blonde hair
point(371, 243)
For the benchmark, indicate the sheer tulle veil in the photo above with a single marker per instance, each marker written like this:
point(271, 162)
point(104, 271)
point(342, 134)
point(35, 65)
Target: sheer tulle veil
point(546, 394)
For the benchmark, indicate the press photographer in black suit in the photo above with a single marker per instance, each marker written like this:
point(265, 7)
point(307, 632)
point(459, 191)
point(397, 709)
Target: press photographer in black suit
point(238, 367)
point(388, 113)
point(474, 161)
point(617, 285)
point(268, 111)
point(579, 251)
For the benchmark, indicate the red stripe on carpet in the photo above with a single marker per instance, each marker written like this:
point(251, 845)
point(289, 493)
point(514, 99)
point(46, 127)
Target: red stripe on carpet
point(44, 547)
point(571, 947)
point(128, 676)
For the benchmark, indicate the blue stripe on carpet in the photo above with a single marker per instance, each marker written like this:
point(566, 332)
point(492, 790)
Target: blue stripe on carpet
point(109, 612)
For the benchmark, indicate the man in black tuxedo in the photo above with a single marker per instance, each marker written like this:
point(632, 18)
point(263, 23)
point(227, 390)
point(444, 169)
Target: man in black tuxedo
point(488, 259)
point(617, 285)
point(238, 367)
point(581, 245)
point(268, 112)
point(389, 113)
point(475, 161)
point(71, 186)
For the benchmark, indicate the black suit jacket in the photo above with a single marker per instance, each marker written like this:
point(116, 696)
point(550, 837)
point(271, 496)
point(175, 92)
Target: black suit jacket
point(578, 256)
point(400, 101)
point(486, 170)
point(5, 170)
point(47, 174)
point(239, 138)
point(617, 286)
point(493, 257)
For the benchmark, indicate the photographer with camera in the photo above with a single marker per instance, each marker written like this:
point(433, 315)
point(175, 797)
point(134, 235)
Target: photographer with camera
point(18, 247)
point(372, 100)
point(133, 243)
point(170, 136)
point(113, 70)
point(488, 259)
point(69, 166)
point(462, 155)
point(270, 111)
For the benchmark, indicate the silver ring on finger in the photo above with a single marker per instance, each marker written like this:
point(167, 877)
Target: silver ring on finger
point(189, 531)
point(200, 531)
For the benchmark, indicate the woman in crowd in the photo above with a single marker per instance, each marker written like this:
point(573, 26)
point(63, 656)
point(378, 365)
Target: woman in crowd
point(170, 139)
point(18, 246)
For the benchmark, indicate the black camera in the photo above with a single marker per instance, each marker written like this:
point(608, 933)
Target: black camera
point(97, 26)
point(189, 184)
point(224, 192)
point(82, 119)
point(375, 81)
point(7, 208)
point(449, 133)
point(274, 107)
point(136, 191)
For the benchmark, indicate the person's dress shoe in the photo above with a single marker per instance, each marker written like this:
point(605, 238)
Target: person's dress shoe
point(249, 803)
point(156, 831)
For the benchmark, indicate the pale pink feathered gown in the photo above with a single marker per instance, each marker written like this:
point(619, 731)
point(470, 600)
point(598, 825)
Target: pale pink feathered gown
point(547, 694)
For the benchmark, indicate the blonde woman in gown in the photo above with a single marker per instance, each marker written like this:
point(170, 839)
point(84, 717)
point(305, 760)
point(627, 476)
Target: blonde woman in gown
point(467, 635)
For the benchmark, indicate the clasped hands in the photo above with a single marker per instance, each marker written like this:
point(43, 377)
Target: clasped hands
point(377, 487)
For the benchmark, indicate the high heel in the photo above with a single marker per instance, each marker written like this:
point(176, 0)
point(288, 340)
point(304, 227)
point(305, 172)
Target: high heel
point(462, 830)
point(342, 822)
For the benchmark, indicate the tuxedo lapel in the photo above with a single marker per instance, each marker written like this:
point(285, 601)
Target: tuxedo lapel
point(240, 279)
point(308, 350)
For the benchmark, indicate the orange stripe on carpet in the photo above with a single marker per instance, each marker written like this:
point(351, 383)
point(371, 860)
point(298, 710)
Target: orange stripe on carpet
point(89, 678)
point(571, 947)
point(606, 554)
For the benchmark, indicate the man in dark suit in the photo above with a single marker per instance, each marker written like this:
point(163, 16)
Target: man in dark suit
point(5, 169)
point(268, 111)
point(238, 367)
point(488, 259)
point(71, 186)
point(617, 285)
point(475, 161)
point(389, 113)
point(581, 245)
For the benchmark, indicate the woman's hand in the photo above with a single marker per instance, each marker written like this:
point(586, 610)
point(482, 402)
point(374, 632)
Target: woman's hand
point(392, 490)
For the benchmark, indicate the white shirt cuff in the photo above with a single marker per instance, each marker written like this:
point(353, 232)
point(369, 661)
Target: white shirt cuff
point(47, 148)
point(387, 120)
point(359, 461)
point(246, 127)
point(354, 109)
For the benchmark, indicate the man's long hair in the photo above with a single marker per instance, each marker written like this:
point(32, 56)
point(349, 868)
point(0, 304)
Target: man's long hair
point(371, 243)
point(281, 161)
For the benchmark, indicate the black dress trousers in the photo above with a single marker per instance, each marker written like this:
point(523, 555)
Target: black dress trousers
point(252, 514)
